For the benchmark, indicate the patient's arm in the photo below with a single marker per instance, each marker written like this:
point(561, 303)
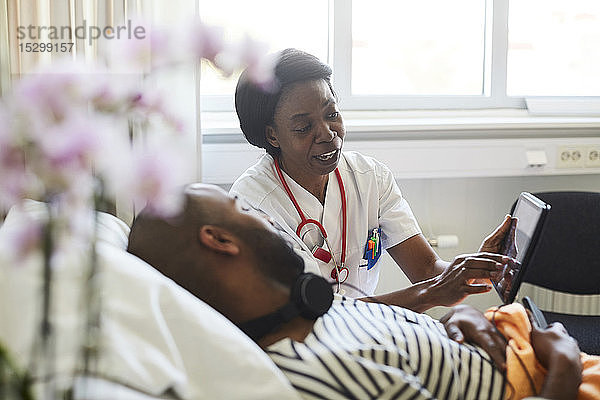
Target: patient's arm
point(466, 324)
point(559, 354)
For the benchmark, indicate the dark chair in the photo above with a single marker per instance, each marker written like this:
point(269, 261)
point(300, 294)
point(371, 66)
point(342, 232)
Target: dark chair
point(567, 260)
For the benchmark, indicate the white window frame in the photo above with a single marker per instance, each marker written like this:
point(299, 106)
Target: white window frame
point(494, 80)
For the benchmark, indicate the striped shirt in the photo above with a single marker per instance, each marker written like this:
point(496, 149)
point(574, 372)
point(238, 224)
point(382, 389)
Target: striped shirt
point(361, 350)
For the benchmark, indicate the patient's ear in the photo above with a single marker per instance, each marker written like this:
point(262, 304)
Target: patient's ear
point(271, 137)
point(219, 240)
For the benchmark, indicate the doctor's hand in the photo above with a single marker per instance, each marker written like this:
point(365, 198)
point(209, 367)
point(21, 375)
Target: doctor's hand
point(463, 277)
point(494, 241)
point(466, 324)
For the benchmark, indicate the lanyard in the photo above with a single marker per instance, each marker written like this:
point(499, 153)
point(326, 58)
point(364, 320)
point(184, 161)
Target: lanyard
point(306, 221)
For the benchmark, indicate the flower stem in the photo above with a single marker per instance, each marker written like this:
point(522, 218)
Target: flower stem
point(47, 350)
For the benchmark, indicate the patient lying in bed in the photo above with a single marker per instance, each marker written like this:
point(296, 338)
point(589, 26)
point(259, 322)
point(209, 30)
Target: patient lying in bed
point(157, 341)
point(235, 260)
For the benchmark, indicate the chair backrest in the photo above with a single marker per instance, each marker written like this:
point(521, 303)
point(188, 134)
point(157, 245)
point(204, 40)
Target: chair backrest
point(568, 255)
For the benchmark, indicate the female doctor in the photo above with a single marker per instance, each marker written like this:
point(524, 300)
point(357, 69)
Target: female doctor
point(344, 208)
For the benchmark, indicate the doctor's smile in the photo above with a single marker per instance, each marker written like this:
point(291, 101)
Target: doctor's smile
point(327, 156)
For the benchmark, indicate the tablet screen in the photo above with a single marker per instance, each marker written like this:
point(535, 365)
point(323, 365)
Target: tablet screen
point(519, 243)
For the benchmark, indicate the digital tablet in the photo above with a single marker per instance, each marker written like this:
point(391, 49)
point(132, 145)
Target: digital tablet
point(529, 215)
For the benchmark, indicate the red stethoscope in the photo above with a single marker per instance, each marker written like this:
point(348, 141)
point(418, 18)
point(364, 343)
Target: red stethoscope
point(339, 270)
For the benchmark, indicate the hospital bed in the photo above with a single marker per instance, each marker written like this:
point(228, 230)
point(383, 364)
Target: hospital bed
point(157, 341)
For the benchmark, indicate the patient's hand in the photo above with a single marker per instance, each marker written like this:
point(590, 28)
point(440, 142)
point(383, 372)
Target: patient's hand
point(559, 353)
point(466, 324)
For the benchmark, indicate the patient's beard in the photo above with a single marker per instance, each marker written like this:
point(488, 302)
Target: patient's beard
point(276, 258)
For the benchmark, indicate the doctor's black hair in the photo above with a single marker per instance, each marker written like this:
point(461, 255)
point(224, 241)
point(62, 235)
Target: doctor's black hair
point(255, 106)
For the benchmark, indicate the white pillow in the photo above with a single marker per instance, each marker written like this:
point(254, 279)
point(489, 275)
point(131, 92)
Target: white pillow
point(155, 335)
point(110, 228)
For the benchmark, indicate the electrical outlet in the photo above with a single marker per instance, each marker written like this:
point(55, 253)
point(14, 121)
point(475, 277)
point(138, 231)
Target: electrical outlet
point(571, 156)
point(592, 156)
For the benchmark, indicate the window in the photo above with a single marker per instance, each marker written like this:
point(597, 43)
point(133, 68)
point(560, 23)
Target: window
point(279, 24)
point(425, 47)
point(425, 54)
point(554, 48)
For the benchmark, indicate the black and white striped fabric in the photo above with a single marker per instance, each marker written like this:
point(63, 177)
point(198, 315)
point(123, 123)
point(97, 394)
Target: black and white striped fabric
point(360, 350)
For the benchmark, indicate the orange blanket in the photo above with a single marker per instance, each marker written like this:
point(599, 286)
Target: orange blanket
point(512, 321)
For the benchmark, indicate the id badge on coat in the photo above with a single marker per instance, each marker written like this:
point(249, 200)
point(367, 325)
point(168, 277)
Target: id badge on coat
point(372, 248)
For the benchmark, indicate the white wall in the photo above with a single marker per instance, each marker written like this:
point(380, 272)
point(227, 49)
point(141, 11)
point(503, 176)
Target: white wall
point(469, 208)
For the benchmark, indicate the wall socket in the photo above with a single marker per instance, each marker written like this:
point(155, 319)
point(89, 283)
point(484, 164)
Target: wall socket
point(571, 156)
point(592, 156)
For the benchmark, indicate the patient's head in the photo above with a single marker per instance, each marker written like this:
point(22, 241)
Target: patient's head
point(215, 246)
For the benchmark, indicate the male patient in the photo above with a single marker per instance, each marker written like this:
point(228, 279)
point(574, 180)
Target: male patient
point(232, 257)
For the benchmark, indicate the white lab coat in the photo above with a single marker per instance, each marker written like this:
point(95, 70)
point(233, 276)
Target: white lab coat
point(373, 200)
